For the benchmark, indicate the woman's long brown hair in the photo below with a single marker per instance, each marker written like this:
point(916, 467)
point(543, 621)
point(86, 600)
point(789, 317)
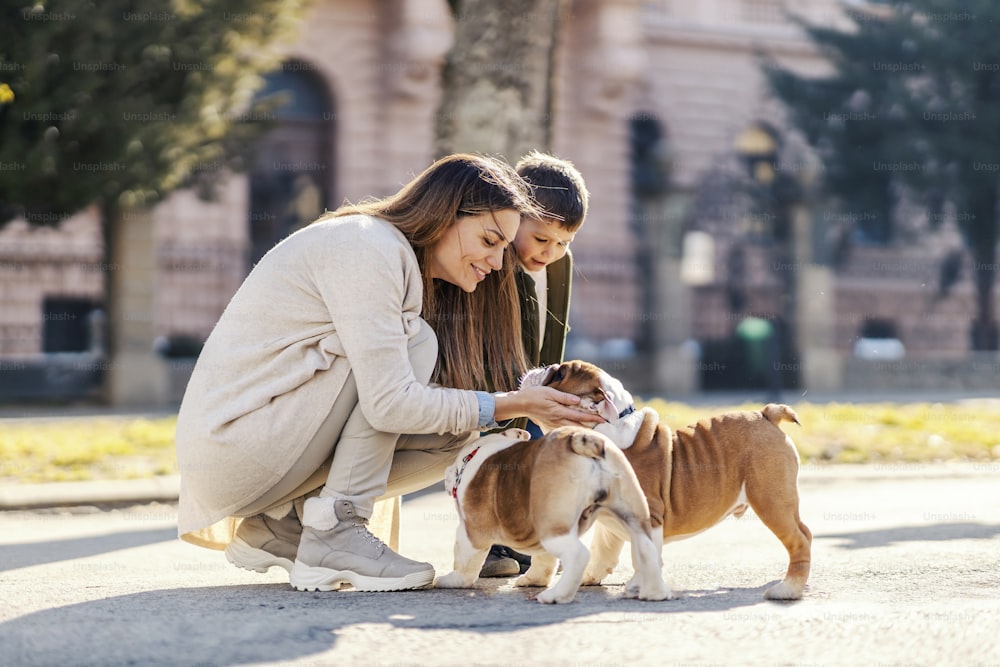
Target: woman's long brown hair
point(479, 333)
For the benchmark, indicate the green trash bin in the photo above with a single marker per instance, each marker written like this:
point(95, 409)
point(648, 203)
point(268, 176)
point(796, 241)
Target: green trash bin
point(758, 338)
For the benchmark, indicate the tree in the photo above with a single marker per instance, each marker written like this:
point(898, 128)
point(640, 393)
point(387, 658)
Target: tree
point(117, 103)
point(497, 79)
point(913, 101)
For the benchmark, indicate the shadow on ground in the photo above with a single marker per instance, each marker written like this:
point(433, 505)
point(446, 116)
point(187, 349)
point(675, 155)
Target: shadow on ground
point(233, 625)
point(13, 556)
point(939, 532)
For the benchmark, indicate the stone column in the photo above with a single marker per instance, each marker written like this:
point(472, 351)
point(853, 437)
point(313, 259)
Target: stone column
point(676, 370)
point(134, 375)
point(822, 368)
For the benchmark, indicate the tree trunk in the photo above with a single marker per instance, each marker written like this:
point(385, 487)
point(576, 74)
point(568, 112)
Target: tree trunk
point(984, 243)
point(134, 374)
point(498, 78)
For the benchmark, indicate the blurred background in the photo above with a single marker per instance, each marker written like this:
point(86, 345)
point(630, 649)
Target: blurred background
point(784, 196)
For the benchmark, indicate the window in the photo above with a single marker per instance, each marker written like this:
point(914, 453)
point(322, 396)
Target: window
point(66, 324)
point(291, 179)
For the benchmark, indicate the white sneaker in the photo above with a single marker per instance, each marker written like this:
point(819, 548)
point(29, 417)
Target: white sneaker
point(262, 542)
point(338, 550)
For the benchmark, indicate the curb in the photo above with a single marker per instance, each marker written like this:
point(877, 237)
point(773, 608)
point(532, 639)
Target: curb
point(167, 488)
point(812, 473)
point(106, 492)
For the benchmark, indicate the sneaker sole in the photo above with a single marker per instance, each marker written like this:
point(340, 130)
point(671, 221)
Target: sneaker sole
point(504, 567)
point(306, 578)
point(242, 555)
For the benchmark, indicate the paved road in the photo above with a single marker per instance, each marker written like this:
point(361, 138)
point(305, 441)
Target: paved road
point(906, 571)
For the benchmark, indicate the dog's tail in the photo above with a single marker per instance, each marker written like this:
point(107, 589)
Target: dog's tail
point(779, 412)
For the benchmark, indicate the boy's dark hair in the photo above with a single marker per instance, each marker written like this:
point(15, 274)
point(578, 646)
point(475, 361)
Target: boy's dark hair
point(557, 186)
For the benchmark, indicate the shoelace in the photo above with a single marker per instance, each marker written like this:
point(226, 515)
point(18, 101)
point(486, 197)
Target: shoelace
point(363, 531)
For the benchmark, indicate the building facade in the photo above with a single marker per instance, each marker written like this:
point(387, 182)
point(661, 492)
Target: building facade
point(651, 99)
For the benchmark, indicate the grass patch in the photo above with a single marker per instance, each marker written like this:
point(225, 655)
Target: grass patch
point(128, 448)
point(875, 432)
point(86, 449)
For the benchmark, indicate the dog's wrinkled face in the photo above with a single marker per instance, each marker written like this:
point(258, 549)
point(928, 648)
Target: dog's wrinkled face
point(598, 391)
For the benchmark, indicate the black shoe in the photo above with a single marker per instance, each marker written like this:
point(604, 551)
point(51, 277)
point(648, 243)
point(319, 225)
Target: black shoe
point(500, 553)
point(499, 564)
point(523, 560)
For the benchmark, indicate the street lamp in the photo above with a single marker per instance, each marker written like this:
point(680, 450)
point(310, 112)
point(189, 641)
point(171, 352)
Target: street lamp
point(758, 147)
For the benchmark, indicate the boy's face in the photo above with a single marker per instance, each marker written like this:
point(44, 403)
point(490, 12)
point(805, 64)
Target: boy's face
point(540, 242)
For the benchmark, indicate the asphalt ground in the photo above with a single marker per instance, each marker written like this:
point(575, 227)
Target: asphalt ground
point(905, 572)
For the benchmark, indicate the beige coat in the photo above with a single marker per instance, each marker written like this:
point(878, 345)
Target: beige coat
point(338, 296)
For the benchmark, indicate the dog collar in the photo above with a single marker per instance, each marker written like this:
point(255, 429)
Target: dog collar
point(626, 412)
point(458, 475)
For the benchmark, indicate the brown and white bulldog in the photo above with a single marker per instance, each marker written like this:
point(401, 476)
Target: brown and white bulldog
point(538, 497)
point(697, 476)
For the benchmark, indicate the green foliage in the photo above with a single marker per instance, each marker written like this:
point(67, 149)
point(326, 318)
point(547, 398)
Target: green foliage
point(913, 99)
point(117, 102)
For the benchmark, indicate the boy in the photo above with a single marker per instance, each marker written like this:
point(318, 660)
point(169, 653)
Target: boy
point(543, 285)
point(542, 248)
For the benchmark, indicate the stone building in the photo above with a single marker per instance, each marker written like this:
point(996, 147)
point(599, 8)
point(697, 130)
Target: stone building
point(651, 99)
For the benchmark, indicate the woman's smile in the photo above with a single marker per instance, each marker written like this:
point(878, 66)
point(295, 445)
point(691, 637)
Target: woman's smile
point(477, 242)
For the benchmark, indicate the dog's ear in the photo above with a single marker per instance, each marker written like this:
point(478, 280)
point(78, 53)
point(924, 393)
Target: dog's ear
point(607, 408)
point(554, 375)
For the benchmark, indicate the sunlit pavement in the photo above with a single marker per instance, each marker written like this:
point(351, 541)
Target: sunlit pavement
point(906, 570)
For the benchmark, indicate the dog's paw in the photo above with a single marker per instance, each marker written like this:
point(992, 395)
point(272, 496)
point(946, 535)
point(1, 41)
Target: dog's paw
point(525, 580)
point(549, 596)
point(539, 574)
point(783, 591)
point(594, 578)
point(655, 592)
point(452, 580)
point(518, 433)
point(638, 589)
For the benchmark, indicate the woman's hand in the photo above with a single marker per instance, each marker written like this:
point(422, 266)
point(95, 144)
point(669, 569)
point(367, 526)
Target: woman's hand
point(547, 407)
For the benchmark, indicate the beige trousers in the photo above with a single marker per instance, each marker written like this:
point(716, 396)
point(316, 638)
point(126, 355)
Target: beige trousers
point(347, 458)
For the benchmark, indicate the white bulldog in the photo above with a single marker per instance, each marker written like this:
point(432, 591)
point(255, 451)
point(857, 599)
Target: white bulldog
point(538, 497)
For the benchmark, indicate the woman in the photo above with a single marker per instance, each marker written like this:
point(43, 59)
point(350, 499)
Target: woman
point(322, 360)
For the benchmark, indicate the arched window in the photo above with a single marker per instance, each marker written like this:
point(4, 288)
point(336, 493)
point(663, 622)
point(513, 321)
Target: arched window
point(291, 177)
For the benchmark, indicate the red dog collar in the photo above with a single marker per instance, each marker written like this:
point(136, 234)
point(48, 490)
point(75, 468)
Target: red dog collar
point(458, 475)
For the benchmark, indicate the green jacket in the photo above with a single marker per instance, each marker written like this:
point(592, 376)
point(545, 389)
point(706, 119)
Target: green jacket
point(559, 278)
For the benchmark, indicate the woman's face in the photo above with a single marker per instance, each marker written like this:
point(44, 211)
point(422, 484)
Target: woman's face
point(472, 247)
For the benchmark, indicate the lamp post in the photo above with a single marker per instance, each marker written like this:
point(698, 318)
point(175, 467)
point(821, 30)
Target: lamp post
point(757, 146)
